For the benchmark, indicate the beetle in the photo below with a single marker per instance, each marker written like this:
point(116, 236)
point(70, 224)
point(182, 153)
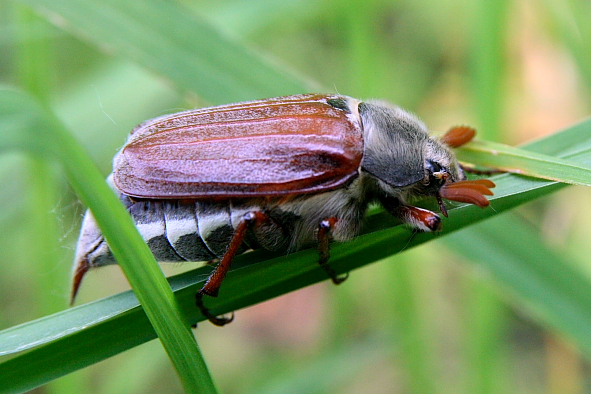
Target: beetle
point(280, 174)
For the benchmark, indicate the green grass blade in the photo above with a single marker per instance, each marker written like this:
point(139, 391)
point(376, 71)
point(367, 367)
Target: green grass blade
point(38, 131)
point(411, 335)
point(487, 64)
point(523, 162)
point(487, 70)
point(555, 292)
point(570, 22)
point(164, 37)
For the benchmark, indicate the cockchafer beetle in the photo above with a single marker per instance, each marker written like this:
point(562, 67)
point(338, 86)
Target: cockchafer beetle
point(280, 174)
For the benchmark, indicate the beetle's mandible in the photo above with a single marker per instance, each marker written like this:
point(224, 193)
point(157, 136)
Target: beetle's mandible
point(280, 174)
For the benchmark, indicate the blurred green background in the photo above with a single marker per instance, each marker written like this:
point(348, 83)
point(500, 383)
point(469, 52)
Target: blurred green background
point(426, 320)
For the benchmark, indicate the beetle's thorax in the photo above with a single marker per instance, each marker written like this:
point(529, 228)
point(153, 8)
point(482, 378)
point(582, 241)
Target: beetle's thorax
point(393, 144)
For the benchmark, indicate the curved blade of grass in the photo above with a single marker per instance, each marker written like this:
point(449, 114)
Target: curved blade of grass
point(78, 337)
point(25, 125)
point(169, 39)
point(520, 161)
point(519, 259)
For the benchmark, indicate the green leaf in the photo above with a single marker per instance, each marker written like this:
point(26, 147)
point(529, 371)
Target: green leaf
point(524, 162)
point(172, 41)
point(26, 125)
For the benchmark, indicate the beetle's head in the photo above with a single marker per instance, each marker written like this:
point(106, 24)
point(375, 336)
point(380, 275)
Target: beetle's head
point(407, 162)
point(440, 167)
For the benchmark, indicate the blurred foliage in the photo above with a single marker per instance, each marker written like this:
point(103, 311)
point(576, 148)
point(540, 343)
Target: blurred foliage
point(431, 319)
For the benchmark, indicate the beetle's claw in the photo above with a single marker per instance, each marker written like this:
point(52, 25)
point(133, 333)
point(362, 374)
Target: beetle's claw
point(338, 279)
point(217, 320)
point(220, 320)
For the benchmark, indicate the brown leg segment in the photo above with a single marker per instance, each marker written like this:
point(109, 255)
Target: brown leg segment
point(418, 218)
point(213, 283)
point(324, 249)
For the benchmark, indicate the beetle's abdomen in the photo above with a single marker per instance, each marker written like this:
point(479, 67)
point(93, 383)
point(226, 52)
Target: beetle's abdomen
point(174, 231)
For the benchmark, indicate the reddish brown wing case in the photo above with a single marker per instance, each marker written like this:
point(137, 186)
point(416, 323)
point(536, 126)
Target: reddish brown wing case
point(287, 145)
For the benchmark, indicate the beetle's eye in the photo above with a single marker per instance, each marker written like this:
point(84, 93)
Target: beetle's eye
point(433, 166)
point(435, 174)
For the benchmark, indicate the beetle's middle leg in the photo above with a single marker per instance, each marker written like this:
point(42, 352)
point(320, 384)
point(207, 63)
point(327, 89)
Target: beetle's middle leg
point(324, 230)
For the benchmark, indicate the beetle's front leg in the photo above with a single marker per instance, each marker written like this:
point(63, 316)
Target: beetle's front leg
point(213, 283)
point(419, 218)
point(323, 236)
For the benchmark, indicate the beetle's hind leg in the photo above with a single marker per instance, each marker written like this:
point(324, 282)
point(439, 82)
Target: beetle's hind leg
point(213, 283)
point(324, 230)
